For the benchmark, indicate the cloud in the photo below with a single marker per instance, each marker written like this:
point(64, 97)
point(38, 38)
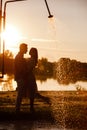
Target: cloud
point(43, 40)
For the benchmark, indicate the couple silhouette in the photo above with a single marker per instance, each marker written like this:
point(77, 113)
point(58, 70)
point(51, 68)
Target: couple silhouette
point(24, 75)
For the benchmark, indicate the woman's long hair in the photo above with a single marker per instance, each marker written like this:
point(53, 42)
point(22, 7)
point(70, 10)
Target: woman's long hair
point(34, 53)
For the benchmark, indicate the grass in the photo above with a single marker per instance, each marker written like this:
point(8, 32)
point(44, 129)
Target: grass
point(67, 109)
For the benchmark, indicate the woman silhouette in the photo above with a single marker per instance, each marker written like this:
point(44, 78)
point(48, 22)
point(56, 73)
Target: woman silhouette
point(31, 80)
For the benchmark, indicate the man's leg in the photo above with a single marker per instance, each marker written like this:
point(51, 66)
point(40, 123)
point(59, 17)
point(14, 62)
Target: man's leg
point(20, 84)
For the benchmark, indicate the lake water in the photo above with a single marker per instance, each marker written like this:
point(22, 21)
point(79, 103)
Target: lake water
point(8, 84)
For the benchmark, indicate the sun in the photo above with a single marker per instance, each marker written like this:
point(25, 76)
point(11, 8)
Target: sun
point(11, 37)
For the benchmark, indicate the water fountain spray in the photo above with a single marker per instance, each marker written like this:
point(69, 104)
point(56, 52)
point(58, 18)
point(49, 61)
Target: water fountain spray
point(50, 15)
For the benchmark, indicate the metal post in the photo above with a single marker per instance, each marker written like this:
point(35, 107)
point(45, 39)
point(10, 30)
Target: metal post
point(0, 22)
point(1, 76)
point(50, 15)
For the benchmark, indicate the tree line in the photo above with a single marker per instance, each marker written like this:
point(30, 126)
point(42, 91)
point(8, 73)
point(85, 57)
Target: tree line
point(64, 70)
point(70, 71)
point(44, 67)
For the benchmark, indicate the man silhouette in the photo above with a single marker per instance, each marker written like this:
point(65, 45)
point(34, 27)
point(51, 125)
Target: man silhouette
point(20, 74)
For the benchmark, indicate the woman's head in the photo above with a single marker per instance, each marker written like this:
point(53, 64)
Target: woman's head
point(33, 52)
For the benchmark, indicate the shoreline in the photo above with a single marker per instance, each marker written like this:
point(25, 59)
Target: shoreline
point(60, 107)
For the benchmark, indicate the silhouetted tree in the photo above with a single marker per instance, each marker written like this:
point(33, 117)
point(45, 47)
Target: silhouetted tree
point(70, 70)
point(44, 67)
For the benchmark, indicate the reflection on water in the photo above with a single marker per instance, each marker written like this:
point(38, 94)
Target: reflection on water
point(8, 84)
point(53, 85)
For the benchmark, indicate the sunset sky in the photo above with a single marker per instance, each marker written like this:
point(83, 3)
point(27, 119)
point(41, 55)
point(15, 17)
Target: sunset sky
point(63, 36)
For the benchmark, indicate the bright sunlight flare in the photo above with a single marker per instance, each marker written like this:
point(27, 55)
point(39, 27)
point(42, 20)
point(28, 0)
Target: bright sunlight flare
point(11, 36)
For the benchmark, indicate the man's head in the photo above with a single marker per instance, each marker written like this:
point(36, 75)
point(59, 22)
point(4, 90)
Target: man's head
point(23, 48)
